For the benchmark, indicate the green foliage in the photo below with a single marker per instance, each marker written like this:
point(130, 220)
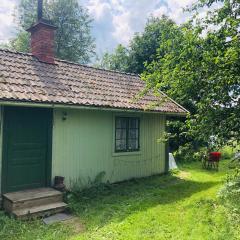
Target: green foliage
point(73, 40)
point(21, 42)
point(142, 49)
point(227, 152)
point(201, 72)
point(180, 141)
point(187, 153)
point(119, 60)
point(229, 195)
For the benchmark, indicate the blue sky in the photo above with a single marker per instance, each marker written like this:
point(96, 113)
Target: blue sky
point(115, 21)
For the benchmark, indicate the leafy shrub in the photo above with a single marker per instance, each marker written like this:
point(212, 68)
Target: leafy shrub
point(189, 153)
point(230, 193)
point(227, 152)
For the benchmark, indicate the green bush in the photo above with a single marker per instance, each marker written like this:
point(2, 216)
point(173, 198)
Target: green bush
point(227, 152)
point(187, 153)
point(230, 192)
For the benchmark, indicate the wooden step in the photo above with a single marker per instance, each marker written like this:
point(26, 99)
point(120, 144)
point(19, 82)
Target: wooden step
point(39, 211)
point(31, 198)
point(34, 203)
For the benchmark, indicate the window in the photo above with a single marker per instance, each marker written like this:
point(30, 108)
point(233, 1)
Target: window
point(127, 134)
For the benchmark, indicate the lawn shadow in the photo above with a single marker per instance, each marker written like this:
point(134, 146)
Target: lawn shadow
point(113, 203)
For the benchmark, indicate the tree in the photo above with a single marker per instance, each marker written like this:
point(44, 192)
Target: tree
point(118, 60)
point(73, 38)
point(201, 72)
point(21, 43)
point(142, 49)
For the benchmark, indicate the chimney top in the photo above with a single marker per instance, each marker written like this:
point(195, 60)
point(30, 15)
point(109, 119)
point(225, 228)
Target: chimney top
point(40, 9)
point(43, 22)
point(42, 37)
point(40, 19)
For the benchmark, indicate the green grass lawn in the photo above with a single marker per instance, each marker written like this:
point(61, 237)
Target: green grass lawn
point(178, 206)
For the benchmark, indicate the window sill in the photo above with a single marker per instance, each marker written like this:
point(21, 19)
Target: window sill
point(117, 154)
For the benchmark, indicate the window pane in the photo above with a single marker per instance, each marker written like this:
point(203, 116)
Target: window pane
point(133, 144)
point(121, 134)
point(121, 123)
point(121, 145)
point(133, 133)
point(127, 134)
point(133, 123)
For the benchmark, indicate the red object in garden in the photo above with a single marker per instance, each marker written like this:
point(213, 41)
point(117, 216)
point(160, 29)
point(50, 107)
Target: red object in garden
point(213, 160)
point(214, 156)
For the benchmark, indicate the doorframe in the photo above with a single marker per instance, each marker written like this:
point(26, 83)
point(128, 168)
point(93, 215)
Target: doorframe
point(49, 149)
point(48, 180)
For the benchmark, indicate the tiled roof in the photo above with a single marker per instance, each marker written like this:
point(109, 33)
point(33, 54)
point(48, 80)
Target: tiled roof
point(23, 78)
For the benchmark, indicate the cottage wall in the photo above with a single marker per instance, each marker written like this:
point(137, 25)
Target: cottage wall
point(83, 147)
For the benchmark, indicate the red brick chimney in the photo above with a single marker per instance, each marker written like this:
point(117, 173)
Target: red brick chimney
point(42, 38)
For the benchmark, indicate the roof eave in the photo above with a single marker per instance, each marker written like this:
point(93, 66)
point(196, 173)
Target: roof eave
point(89, 107)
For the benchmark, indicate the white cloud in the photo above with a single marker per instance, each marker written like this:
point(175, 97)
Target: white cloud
point(117, 5)
point(98, 8)
point(7, 25)
point(163, 10)
point(120, 19)
point(123, 30)
point(130, 17)
point(115, 21)
point(174, 9)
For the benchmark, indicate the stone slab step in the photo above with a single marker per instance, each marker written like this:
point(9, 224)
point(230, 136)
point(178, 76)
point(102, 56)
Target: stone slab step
point(39, 211)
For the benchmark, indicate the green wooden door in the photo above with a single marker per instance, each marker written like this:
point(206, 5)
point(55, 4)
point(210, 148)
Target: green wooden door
point(27, 148)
